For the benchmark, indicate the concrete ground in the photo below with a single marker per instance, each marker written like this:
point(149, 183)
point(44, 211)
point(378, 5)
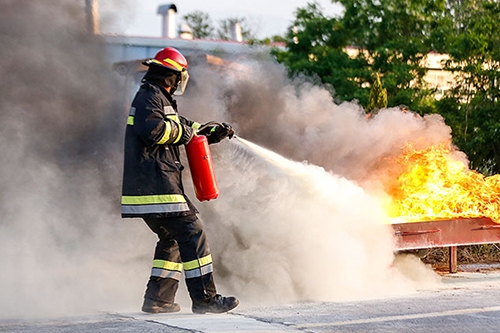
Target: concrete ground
point(468, 301)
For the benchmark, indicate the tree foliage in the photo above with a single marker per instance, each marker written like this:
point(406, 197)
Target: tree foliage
point(200, 24)
point(378, 97)
point(474, 49)
point(316, 46)
point(226, 27)
point(390, 38)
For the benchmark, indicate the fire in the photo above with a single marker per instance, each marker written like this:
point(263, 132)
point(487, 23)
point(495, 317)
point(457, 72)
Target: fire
point(435, 185)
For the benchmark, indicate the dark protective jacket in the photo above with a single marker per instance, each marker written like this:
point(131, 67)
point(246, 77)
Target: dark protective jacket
point(152, 181)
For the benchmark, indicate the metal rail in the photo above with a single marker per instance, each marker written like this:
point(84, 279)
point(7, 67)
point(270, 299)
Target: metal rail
point(446, 233)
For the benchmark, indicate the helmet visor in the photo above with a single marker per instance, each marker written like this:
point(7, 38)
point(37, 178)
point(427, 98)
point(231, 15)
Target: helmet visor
point(181, 88)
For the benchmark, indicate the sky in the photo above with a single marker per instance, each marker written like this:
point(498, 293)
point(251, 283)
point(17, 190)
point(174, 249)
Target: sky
point(268, 18)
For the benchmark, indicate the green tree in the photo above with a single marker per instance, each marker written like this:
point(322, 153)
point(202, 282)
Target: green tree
point(269, 40)
point(474, 49)
point(200, 24)
point(396, 35)
point(316, 46)
point(378, 97)
point(224, 31)
point(389, 37)
point(202, 27)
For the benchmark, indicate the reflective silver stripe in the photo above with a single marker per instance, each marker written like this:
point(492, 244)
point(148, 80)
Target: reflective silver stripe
point(164, 273)
point(132, 111)
point(197, 272)
point(169, 110)
point(161, 208)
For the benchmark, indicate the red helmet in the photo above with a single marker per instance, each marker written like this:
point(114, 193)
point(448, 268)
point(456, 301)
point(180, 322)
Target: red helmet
point(174, 60)
point(170, 58)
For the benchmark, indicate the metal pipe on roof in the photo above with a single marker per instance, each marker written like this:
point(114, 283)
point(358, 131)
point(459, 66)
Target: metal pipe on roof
point(168, 13)
point(236, 33)
point(92, 14)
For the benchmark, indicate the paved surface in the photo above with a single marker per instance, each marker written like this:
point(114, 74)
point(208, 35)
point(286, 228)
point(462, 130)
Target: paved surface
point(464, 302)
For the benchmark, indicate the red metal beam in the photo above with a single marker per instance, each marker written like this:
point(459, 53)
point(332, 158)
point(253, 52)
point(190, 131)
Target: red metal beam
point(443, 233)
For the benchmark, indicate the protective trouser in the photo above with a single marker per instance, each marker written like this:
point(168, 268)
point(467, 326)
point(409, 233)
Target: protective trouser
point(182, 245)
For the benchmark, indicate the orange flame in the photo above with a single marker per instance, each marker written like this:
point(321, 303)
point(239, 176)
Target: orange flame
point(435, 185)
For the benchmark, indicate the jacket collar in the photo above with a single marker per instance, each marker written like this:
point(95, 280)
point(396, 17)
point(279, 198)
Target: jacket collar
point(172, 101)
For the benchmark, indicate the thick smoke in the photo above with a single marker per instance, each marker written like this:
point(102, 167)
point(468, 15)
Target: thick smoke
point(301, 121)
point(292, 231)
point(314, 230)
point(280, 231)
point(64, 248)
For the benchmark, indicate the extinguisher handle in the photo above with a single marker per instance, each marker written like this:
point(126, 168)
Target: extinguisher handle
point(209, 124)
point(216, 131)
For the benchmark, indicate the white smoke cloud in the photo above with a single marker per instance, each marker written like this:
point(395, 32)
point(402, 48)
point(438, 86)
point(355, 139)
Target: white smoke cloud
point(64, 249)
point(288, 231)
point(284, 230)
point(280, 231)
point(304, 231)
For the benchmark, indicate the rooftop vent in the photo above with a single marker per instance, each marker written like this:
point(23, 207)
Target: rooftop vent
point(168, 12)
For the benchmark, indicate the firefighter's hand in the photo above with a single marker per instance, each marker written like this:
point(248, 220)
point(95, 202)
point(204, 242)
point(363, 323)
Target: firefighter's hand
point(217, 133)
point(226, 131)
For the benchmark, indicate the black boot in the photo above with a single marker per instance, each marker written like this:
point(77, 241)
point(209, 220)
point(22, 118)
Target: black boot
point(216, 304)
point(159, 307)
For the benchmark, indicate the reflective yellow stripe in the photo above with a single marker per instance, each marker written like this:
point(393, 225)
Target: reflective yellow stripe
point(174, 117)
point(164, 264)
point(166, 134)
point(174, 63)
point(197, 263)
point(179, 135)
point(168, 61)
point(196, 125)
point(130, 120)
point(152, 199)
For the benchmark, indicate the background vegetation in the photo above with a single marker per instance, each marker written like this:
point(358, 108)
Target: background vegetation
point(388, 40)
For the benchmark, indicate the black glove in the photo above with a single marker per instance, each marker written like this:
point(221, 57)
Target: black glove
point(217, 133)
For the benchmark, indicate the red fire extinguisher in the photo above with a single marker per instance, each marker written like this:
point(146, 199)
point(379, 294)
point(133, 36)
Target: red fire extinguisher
point(202, 170)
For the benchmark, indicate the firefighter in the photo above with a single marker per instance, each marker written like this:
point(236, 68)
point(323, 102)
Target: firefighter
point(153, 189)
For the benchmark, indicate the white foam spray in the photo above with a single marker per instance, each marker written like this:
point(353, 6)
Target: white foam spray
point(290, 231)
